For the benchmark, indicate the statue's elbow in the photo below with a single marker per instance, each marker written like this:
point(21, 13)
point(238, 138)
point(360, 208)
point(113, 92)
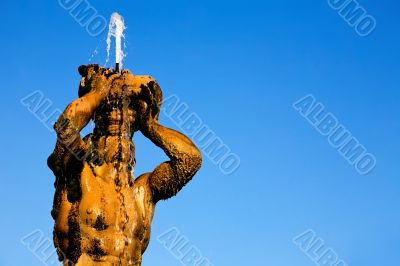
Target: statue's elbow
point(196, 160)
point(55, 164)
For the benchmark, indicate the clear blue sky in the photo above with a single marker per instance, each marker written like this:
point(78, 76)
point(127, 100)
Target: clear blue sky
point(239, 65)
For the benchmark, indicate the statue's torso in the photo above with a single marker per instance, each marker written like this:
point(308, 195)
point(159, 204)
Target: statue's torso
point(102, 216)
point(110, 222)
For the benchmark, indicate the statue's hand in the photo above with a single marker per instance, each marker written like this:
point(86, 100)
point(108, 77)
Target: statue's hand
point(96, 80)
point(100, 86)
point(149, 104)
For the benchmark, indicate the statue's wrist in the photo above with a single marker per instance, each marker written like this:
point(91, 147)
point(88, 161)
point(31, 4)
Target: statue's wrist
point(149, 128)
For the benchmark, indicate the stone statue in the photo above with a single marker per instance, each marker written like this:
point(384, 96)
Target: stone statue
point(102, 214)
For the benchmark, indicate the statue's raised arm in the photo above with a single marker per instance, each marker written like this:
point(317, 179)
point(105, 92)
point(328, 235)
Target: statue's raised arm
point(93, 89)
point(185, 159)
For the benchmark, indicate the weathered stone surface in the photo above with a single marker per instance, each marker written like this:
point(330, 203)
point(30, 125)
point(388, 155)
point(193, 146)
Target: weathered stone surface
point(102, 214)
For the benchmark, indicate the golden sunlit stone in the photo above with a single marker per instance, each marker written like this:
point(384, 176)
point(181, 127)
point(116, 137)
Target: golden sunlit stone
point(102, 214)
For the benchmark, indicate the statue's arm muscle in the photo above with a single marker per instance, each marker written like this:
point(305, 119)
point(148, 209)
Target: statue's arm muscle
point(185, 160)
point(74, 118)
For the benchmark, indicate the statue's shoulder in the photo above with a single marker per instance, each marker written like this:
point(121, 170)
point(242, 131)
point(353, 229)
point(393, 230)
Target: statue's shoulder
point(142, 185)
point(142, 180)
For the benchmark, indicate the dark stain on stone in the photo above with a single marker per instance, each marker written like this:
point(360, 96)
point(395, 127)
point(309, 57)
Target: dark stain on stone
point(74, 235)
point(100, 224)
point(96, 251)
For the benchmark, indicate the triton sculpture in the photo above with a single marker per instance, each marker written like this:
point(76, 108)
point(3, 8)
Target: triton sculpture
point(102, 214)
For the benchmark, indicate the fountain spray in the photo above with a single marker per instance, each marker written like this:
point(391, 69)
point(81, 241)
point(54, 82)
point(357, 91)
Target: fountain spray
point(116, 29)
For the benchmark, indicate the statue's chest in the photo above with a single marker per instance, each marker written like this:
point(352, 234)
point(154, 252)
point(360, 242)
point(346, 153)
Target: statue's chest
point(110, 201)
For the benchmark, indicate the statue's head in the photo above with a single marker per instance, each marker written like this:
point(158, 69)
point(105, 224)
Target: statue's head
point(119, 110)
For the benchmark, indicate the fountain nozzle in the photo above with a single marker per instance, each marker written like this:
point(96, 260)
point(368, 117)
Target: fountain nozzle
point(117, 68)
